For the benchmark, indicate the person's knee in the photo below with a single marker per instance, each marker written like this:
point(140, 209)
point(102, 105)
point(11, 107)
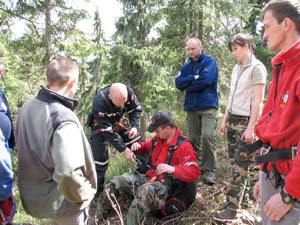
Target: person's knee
point(209, 135)
point(206, 135)
point(101, 169)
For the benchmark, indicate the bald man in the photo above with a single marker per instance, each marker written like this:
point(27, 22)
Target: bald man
point(109, 125)
point(198, 78)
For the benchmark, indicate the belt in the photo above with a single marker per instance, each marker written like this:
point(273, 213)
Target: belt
point(268, 154)
point(238, 117)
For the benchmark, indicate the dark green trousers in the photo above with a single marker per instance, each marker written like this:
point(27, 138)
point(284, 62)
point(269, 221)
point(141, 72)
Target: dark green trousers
point(202, 132)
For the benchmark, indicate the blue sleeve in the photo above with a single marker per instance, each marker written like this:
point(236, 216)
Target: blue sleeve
point(4, 107)
point(207, 76)
point(184, 79)
point(6, 171)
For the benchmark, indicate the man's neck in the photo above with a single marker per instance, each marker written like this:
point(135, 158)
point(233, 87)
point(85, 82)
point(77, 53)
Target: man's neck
point(290, 41)
point(170, 138)
point(61, 91)
point(196, 59)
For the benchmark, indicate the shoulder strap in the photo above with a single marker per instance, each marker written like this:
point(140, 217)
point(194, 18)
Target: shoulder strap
point(154, 142)
point(172, 148)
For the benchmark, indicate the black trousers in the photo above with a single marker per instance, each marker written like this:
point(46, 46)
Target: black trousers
point(100, 152)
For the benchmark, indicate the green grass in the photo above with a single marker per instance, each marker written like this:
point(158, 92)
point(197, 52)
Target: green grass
point(22, 217)
point(118, 165)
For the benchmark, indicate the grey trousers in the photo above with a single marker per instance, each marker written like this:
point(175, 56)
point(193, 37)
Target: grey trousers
point(267, 190)
point(202, 132)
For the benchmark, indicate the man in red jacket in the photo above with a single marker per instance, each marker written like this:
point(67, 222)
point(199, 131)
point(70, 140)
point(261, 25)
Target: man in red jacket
point(278, 128)
point(167, 184)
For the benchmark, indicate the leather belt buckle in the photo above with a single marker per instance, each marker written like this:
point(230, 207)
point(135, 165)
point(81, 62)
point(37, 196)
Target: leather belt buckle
point(265, 150)
point(294, 151)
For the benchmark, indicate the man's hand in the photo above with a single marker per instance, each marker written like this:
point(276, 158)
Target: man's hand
point(129, 155)
point(165, 168)
point(276, 209)
point(132, 133)
point(248, 135)
point(135, 146)
point(223, 128)
point(256, 190)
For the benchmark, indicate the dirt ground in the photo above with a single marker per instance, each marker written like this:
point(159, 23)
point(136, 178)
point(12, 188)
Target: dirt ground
point(209, 201)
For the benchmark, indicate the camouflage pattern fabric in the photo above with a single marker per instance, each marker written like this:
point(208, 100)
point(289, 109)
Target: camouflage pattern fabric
point(147, 196)
point(239, 160)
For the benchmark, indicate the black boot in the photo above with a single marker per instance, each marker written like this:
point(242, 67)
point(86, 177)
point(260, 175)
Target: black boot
point(227, 214)
point(209, 177)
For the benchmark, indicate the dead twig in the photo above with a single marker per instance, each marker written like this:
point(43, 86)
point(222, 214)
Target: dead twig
point(115, 205)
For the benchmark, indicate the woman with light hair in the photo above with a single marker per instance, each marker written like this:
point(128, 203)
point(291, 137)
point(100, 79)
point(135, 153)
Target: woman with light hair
point(241, 115)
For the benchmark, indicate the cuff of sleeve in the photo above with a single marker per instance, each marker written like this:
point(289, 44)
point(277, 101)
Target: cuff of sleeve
point(292, 191)
point(175, 174)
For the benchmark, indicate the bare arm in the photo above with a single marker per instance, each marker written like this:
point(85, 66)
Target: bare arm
point(258, 96)
point(224, 121)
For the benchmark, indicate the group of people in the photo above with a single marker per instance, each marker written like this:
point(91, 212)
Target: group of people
point(60, 171)
point(277, 190)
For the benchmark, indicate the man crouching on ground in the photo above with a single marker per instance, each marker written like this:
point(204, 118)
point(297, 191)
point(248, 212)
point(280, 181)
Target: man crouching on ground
point(166, 181)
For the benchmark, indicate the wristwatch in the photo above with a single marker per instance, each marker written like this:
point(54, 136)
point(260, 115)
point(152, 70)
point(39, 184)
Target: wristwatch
point(286, 198)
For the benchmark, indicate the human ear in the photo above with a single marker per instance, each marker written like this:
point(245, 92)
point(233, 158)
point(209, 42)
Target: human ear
point(288, 24)
point(72, 86)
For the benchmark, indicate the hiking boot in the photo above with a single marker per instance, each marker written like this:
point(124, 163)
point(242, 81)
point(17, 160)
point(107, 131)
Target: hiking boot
point(209, 178)
point(103, 206)
point(103, 213)
point(226, 214)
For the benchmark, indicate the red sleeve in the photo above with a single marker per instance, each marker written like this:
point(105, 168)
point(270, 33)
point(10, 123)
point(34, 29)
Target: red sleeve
point(185, 163)
point(145, 146)
point(292, 181)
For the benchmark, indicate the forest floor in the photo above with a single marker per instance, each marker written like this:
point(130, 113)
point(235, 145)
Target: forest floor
point(209, 201)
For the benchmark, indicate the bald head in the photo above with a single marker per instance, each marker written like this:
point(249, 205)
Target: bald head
point(194, 40)
point(118, 94)
point(194, 47)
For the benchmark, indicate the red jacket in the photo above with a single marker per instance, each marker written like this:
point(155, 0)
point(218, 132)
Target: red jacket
point(280, 121)
point(184, 158)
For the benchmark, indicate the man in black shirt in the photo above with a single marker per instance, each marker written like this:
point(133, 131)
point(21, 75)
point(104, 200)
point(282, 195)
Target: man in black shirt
point(109, 125)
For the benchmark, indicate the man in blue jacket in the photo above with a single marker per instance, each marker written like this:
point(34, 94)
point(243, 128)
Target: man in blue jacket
point(4, 107)
point(198, 78)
